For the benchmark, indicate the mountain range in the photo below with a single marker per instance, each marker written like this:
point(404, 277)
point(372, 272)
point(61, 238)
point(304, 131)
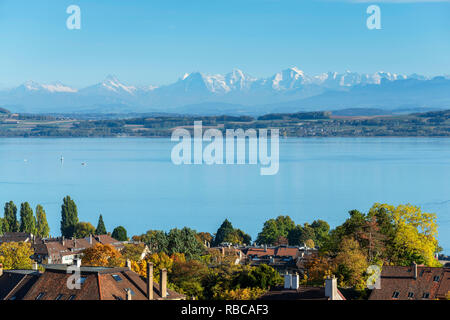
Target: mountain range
point(289, 90)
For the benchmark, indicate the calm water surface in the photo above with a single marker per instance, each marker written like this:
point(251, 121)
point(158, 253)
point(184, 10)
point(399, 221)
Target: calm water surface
point(133, 182)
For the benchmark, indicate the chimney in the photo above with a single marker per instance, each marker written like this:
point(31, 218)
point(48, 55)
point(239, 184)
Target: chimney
point(414, 269)
point(163, 283)
point(287, 281)
point(77, 262)
point(223, 251)
point(128, 264)
point(90, 239)
point(294, 281)
point(265, 248)
point(128, 294)
point(35, 266)
point(331, 288)
point(150, 281)
point(62, 241)
point(1, 269)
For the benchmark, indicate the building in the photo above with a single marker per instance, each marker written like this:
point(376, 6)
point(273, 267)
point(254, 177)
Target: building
point(66, 251)
point(282, 258)
point(412, 283)
point(95, 283)
point(18, 237)
point(293, 291)
point(59, 250)
point(14, 284)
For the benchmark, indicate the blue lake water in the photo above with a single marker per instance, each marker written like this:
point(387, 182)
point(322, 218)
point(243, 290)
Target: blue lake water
point(133, 182)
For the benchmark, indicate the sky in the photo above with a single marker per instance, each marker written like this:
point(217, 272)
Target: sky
point(154, 42)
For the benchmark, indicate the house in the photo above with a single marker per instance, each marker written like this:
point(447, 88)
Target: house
point(412, 283)
point(14, 284)
point(18, 237)
point(293, 291)
point(283, 258)
point(95, 283)
point(65, 251)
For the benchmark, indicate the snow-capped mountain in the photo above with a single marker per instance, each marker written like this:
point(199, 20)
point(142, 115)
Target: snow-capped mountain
point(232, 89)
point(111, 85)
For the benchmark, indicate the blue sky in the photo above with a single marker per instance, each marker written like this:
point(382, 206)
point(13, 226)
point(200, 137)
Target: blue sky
point(155, 42)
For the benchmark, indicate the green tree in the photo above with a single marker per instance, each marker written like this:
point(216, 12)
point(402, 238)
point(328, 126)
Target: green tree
point(120, 233)
point(321, 230)
point(83, 230)
point(42, 228)
point(27, 220)
point(300, 234)
point(223, 232)
point(1, 226)
point(69, 217)
point(101, 229)
point(11, 223)
point(184, 241)
point(273, 229)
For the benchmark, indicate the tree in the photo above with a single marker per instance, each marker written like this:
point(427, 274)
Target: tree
point(16, 255)
point(321, 230)
point(10, 222)
point(69, 217)
point(83, 230)
point(204, 236)
point(27, 221)
point(156, 240)
point(120, 233)
point(42, 228)
point(273, 229)
point(101, 229)
point(351, 264)
point(281, 241)
point(414, 238)
point(102, 255)
point(184, 241)
point(225, 229)
point(133, 251)
point(1, 226)
point(310, 243)
point(300, 234)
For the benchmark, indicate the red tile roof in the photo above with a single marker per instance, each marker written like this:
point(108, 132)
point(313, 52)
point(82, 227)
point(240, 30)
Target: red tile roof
point(398, 283)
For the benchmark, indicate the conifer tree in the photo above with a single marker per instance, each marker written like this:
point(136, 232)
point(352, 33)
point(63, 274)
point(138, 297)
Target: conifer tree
point(69, 217)
point(10, 221)
point(42, 228)
point(27, 221)
point(101, 229)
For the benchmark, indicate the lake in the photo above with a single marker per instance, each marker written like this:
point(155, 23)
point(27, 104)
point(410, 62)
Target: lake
point(133, 182)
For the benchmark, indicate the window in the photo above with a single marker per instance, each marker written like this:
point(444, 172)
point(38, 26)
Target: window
point(40, 295)
point(410, 294)
point(72, 297)
point(117, 277)
point(436, 278)
point(426, 295)
point(59, 296)
point(395, 294)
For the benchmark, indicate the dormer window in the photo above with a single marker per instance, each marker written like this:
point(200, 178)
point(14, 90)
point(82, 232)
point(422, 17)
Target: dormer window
point(40, 296)
point(426, 295)
point(410, 294)
point(436, 278)
point(395, 294)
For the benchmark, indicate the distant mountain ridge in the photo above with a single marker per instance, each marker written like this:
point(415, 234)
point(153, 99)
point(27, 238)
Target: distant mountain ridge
point(289, 90)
